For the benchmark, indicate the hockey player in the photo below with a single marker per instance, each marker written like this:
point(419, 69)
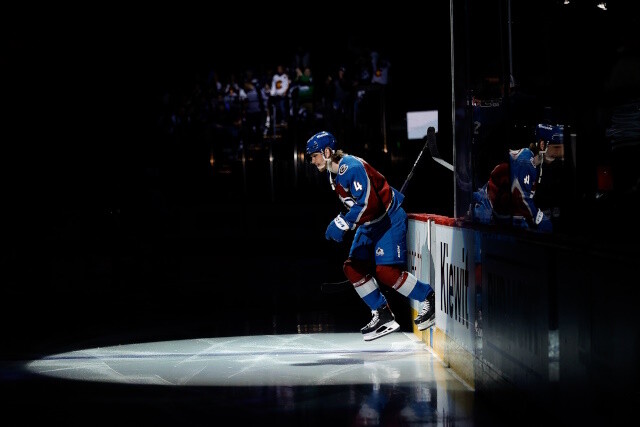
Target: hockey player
point(508, 196)
point(523, 168)
point(378, 253)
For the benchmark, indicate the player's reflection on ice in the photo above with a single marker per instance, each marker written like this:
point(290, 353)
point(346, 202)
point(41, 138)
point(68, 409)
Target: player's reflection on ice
point(411, 405)
point(383, 399)
point(372, 404)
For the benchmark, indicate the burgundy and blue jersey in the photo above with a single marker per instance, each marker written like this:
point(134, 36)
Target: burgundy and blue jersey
point(524, 175)
point(368, 188)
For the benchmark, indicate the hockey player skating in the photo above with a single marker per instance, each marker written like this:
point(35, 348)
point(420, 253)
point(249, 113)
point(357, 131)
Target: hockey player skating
point(378, 253)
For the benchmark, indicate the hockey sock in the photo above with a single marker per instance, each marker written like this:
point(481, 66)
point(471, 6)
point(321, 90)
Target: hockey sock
point(408, 285)
point(370, 293)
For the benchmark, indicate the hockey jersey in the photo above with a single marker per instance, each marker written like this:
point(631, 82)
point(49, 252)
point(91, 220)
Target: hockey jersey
point(365, 191)
point(524, 175)
point(509, 194)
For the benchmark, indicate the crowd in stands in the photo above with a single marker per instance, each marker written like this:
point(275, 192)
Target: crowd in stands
point(235, 108)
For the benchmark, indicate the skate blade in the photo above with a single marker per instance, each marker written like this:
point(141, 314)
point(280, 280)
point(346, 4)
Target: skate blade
point(426, 325)
point(381, 331)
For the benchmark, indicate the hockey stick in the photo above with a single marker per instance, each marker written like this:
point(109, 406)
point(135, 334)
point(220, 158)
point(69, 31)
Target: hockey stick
point(334, 287)
point(433, 149)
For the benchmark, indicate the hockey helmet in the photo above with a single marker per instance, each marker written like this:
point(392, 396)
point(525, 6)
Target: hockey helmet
point(321, 140)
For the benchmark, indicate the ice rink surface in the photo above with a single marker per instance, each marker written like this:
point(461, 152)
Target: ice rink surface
point(263, 360)
point(289, 379)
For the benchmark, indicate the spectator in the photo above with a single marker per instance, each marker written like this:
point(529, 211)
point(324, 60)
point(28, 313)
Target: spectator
point(254, 110)
point(304, 92)
point(280, 85)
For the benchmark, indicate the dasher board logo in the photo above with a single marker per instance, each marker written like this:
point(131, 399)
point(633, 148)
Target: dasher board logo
point(343, 169)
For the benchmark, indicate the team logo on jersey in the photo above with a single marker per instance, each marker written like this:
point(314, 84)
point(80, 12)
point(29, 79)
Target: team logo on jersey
point(379, 252)
point(343, 169)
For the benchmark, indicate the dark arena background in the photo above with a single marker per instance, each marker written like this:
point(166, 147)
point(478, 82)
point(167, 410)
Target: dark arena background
point(144, 203)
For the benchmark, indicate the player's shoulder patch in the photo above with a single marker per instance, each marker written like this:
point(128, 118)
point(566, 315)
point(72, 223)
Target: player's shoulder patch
point(342, 169)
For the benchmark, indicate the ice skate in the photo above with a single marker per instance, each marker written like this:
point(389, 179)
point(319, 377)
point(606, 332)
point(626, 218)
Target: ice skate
point(383, 323)
point(427, 316)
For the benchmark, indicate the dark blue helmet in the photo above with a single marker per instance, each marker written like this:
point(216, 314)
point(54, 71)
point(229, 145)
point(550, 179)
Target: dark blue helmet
point(321, 140)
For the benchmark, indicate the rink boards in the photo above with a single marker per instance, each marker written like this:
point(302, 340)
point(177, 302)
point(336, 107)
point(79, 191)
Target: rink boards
point(519, 311)
point(444, 257)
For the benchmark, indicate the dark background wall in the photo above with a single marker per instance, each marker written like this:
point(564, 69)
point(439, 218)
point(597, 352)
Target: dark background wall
point(115, 231)
point(111, 228)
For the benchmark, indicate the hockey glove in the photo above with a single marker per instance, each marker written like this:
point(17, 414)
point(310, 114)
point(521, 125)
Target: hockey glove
point(336, 229)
